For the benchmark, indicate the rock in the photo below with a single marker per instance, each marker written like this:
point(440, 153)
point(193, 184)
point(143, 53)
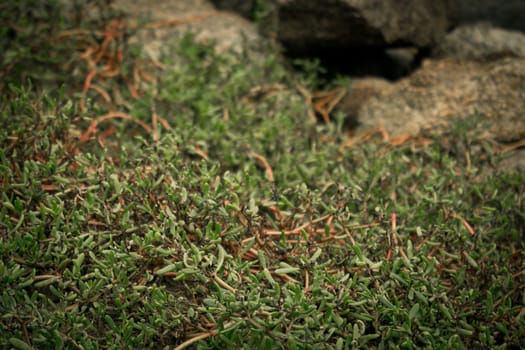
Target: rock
point(352, 37)
point(508, 14)
point(229, 31)
point(446, 89)
point(360, 91)
point(480, 41)
point(245, 8)
point(515, 161)
point(309, 26)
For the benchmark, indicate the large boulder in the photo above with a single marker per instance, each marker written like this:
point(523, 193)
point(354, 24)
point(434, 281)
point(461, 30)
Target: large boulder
point(480, 41)
point(476, 68)
point(169, 19)
point(311, 26)
point(449, 89)
point(508, 14)
point(306, 26)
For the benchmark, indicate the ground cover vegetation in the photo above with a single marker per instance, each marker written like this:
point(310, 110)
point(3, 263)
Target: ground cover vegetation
point(193, 202)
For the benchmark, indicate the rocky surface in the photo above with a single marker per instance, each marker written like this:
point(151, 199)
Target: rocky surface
point(480, 41)
point(444, 90)
point(306, 25)
point(508, 14)
point(171, 18)
point(476, 68)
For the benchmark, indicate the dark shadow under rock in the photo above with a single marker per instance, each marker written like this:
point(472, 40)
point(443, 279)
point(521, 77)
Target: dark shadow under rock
point(391, 64)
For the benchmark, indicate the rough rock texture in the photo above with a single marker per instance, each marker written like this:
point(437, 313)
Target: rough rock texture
point(243, 7)
point(359, 93)
point(445, 89)
point(508, 14)
point(229, 30)
point(514, 161)
point(480, 41)
point(477, 68)
point(307, 25)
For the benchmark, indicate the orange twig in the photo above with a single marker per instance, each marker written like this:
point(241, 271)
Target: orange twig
point(295, 230)
point(262, 161)
point(465, 224)
point(393, 221)
point(306, 281)
point(201, 336)
point(92, 129)
point(308, 98)
point(513, 146)
point(101, 92)
point(87, 84)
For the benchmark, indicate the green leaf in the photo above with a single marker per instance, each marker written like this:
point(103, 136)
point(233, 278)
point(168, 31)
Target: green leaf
point(414, 312)
point(19, 344)
point(165, 269)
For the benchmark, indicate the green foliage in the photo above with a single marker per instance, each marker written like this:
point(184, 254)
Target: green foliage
point(146, 241)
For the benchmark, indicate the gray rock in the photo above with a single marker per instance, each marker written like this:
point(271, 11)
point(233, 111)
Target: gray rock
point(305, 26)
point(444, 90)
point(481, 41)
point(508, 14)
point(229, 31)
